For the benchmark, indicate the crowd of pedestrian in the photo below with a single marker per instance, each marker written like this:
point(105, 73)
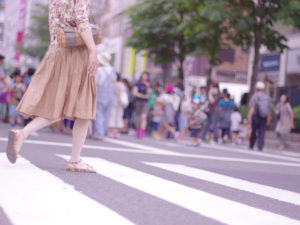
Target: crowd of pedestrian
point(12, 88)
point(146, 108)
point(149, 108)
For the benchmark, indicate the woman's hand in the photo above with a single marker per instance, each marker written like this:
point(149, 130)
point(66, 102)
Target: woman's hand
point(93, 64)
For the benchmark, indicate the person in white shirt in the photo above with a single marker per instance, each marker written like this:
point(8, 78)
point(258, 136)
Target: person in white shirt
point(116, 124)
point(236, 120)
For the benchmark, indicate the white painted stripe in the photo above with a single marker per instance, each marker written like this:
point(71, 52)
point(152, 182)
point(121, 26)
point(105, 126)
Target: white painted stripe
point(293, 154)
point(142, 149)
point(159, 151)
point(264, 190)
point(31, 196)
point(64, 144)
point(206, 204)
point(248, 152)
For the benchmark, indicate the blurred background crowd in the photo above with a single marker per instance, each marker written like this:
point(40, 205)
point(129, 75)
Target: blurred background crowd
point(204, 59)
point(150, 108)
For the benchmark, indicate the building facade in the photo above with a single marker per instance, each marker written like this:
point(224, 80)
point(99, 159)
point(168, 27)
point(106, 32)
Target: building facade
point(115, 28)
point(278, 69)
point(18, 19)
point(2, 16)
point(10, 31)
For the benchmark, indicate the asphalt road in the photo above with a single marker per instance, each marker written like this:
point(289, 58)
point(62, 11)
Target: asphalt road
point(147, 182)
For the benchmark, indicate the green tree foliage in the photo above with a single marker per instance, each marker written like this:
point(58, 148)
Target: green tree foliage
point(172, 29)
point(208, 27)
point(38, 32)
point(161, 28)
point(252, 23)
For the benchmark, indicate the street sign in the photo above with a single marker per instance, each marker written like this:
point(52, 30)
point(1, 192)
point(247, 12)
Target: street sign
point(270, 63)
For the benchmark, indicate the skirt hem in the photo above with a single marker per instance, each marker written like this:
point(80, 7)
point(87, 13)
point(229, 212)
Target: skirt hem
point(32, 116)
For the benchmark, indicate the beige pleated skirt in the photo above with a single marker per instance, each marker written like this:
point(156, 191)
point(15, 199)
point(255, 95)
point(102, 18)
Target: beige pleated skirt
point(61, 87)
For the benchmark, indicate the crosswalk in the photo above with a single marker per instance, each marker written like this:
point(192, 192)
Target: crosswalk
point(30, 195)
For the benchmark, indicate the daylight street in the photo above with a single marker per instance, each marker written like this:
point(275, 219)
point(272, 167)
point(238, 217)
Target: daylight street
point(147, 182)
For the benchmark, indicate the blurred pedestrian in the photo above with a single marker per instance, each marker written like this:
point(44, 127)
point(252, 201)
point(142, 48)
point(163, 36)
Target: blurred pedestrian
point(2, 73)
point(169, 100)
point(154, 94)
point(157, 113)
point(128, 110)
point(196, 122)
point(106, 79)
point(115, 124)
point(179, 91)
point(286, 120)
point(185, 111)
point(3, 98)
point(28, 76)
point(141, 92)
point(212, 108)
point(202, 96)
point(259, 116)
point(235, 120)
point(226, 107)
point(16, 89)
point(64, 84)
point(244, 132)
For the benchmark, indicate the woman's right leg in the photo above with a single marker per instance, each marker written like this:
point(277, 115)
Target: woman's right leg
point(37, 124)
point(16, 137)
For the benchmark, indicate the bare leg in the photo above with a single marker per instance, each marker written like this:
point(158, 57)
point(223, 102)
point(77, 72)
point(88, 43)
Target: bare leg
point(37, 124)
point(143, 122)
point(137, 122)
point(80, 130)
point(110, 132)
point(17, 137)
point(234, 139)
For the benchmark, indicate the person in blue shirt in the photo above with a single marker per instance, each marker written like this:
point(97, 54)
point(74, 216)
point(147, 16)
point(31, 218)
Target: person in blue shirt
point(141, 92)
point(226, 107)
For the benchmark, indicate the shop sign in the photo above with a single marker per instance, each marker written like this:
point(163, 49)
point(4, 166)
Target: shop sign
point(270, 63)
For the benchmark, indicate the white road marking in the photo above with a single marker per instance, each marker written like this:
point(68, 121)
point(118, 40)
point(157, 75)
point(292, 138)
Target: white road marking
point(63, 144)
point(206, 204)
point(31, 196)
point(142, 149)
point(159, 151)
point(264, 190)
point(293, 154)
point(245, 151)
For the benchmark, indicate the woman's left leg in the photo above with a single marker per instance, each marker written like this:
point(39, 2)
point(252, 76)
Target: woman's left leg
point(80, 130)
point(143, 124)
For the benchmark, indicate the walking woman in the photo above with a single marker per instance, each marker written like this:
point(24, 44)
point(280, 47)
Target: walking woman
point(64, 84)
point(141, 92)
point(286, 120)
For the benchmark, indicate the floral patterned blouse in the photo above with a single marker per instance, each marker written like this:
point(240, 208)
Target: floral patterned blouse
point(68, 13)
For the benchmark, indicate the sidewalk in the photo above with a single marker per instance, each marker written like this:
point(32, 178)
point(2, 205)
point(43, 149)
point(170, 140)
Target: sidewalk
point(293, 141)
point(271, 144)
